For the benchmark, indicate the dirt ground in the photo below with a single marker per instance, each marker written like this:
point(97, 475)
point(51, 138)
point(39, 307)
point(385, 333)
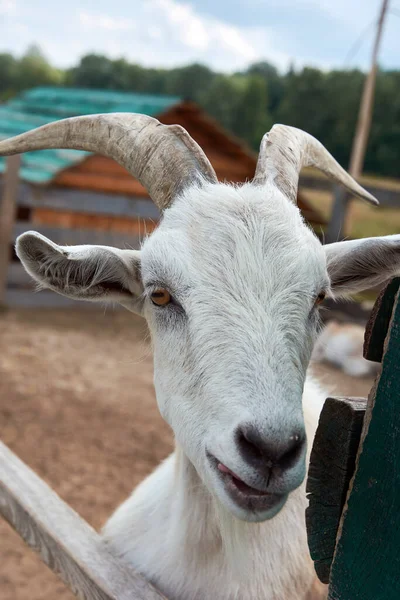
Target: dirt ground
point(77, 405)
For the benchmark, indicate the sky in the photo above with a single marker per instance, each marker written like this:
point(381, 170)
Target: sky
point(227, 35)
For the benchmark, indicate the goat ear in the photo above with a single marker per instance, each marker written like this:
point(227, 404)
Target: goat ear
point(357, 265)
point(82, 272)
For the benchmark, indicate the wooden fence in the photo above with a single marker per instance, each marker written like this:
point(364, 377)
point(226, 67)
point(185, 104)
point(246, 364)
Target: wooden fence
point(65, 542)
point(120, 220)
point(353, 519)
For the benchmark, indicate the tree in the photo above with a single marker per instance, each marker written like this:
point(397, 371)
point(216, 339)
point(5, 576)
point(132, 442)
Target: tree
point(252, 116)
point(34, 69)
point(8, 70)
point(273, 80)
point(190, 82)
point(222, 99)
point(93, 71)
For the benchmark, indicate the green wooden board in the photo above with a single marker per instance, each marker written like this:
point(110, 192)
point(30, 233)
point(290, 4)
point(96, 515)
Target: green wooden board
point(367, 560)
point(332, 465)
point(378, 324)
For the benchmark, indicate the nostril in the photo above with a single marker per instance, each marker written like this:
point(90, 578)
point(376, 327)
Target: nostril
point(258, 450)
point(293, 451)
point(248, 446)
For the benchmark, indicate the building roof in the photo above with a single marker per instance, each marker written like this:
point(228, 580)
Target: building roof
point(42, 105)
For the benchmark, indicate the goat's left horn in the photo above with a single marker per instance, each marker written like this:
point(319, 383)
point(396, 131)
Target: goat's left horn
point(164, 158)
point(286, 150)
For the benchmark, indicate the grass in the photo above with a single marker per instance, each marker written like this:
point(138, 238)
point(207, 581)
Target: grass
point(365, 220)
point(386, 183)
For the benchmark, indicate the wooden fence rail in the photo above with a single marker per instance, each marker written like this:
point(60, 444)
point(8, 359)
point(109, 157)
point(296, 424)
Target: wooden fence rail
point(65, 542)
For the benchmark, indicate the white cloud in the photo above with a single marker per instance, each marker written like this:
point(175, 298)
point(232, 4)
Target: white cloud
point(172, 32)
point(189, 28)
point(8, 8)
point(96, 21)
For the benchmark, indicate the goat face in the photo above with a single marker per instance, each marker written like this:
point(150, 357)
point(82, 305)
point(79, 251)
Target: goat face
point(228, 283)
point(232, 346)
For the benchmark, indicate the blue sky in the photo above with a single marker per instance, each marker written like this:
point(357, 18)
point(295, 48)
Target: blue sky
point(225, 34)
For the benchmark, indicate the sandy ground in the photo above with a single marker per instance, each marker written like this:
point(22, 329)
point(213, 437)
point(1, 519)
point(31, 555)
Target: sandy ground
point(77, 405)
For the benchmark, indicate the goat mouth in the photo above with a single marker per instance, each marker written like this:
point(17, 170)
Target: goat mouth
point(243, 495)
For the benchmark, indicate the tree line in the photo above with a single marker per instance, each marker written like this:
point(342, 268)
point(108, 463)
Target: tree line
point(247, 103)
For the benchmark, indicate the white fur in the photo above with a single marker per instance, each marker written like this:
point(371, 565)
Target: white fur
point(179, 536)
point(233, 256)
point(244, 271)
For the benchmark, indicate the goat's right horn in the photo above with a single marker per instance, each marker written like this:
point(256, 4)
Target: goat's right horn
point(164, 158)
point(286, 150)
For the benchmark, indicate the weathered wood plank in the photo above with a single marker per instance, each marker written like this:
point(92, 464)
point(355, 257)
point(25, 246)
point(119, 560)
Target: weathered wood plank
point(29, 298)
point(66, 543)
point(366, 565)
point(62, 236)
point(96, 203)
point(378, 323)
point(331, 468)
point(7, 218)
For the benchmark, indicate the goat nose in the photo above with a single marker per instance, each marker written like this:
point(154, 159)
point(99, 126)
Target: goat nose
point(257, 450)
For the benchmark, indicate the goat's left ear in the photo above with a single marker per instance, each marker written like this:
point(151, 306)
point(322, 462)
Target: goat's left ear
point(95, 273)
point(361, 264)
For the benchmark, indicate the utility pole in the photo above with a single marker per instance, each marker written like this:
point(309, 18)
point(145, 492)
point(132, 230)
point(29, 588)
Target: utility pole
point(341, 212)
point(367, 103)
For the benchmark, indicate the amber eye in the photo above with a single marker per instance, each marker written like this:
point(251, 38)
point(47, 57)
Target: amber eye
point(320, 298)
point(160, 297)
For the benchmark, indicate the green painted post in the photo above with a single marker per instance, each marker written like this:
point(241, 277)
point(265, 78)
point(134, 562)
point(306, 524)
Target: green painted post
point(367, 558)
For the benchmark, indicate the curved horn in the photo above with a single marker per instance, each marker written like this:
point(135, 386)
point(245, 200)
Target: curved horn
point(286, 150)
point(164, 158)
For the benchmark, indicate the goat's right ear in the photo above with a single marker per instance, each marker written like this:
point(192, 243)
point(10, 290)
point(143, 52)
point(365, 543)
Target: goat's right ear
point(96, 273)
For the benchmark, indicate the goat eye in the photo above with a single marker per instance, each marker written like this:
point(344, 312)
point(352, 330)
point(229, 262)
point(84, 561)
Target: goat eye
point(320, 298)
point(160, 297)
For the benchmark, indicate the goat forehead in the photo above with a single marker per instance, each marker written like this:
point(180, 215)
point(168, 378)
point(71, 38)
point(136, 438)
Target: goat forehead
point(228, 236)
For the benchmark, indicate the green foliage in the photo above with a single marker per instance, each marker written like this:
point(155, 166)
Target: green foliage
point(8, 71)
point(253, 118)
point(222, 100)
point(247, 103)
point(31, 70)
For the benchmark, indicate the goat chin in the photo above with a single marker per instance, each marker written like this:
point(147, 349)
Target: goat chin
point(174, 532)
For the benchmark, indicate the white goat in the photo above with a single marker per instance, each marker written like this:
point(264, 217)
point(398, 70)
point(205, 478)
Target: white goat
point(341, 344)
point(230, 284)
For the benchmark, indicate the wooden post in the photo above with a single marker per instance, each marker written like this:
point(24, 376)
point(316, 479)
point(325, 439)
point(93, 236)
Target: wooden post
point(353, 519)
point(367, 103)
point(335, 229)
point(332, 465)
point(366, 563)
point(361, 136)
point(7, 217)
